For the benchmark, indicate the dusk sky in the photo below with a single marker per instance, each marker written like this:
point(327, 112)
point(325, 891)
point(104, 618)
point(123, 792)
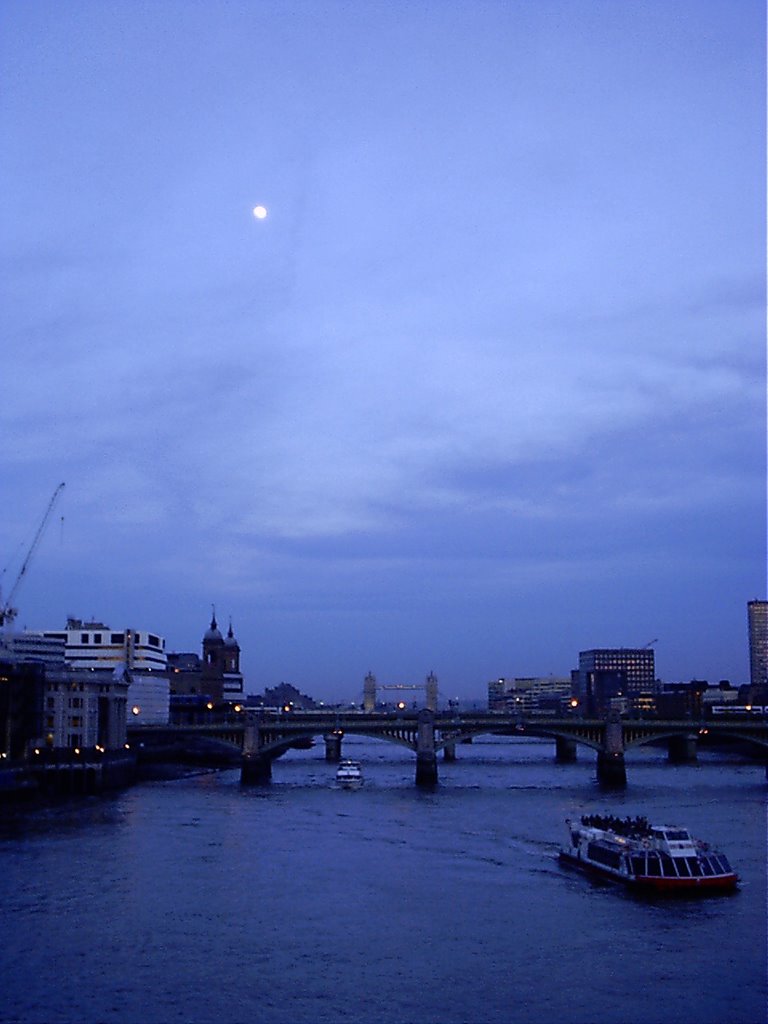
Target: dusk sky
point(485, 388)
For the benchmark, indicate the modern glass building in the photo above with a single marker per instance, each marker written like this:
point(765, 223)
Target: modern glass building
point(757, 614)
point(610, 673)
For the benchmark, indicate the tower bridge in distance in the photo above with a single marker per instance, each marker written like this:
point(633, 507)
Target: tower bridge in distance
point(260, 737)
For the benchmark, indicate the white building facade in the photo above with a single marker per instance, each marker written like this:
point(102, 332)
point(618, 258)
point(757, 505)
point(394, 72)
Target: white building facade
point(136, 656)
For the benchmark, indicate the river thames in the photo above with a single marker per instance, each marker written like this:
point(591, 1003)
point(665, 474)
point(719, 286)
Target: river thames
point(199, 901)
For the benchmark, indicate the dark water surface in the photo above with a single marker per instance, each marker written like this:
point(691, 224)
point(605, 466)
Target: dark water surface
point(200, 901)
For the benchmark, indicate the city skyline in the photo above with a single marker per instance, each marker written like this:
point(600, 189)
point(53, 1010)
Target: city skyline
point(483, 389)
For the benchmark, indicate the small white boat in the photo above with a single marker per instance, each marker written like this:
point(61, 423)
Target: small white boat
point(349, 775)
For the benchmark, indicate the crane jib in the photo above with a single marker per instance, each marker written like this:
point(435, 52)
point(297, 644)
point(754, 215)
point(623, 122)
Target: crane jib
point(7, 611)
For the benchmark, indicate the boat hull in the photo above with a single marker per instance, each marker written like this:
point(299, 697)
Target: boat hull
point(713, 885)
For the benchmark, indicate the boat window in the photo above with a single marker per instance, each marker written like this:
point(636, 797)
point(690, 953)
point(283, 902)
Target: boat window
point(725, 867)
point(693, 866)
point(638, 864)
point(667, 865)
point(677, 835)
point(601, 854)
point(654, 867)
point(681, 863)
point(706, 866)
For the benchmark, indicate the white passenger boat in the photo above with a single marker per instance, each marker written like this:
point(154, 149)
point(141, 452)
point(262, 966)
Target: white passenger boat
point(349, 775)
point(654, 858)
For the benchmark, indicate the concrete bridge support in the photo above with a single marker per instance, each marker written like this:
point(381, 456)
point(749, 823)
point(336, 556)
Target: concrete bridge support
point(611, 770)
point(682, 749)
point(256, 767)
point(565, 750)
point(426, 758)
point(256, 770)
point(333, 747)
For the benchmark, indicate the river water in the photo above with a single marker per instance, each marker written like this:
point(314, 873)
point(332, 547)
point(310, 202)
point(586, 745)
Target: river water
point(196, 900)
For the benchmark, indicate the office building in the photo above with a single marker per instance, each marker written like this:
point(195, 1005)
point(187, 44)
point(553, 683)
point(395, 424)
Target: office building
point(623, 678)
point(757, 617)
point(133, 655)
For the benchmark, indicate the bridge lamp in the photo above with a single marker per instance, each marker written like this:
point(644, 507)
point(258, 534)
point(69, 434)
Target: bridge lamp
point(135, 710)
point(401, 705)
point(574, 703)
point(209, 705)
point(238, 707)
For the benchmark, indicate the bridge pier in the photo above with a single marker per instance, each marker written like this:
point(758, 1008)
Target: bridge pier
point(256, 770)
point(682, 749)
point(611, 770)
point(426, 758)
point(333, 747)
point(565, 750)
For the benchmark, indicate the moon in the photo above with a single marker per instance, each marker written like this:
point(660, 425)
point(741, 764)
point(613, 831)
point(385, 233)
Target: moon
point(259, 212)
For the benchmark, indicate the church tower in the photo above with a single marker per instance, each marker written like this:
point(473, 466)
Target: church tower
point(233, 680)
point(213, 660)
point(231, 652)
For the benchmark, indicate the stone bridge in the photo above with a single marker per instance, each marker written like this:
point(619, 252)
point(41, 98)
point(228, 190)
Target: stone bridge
point(261, 737)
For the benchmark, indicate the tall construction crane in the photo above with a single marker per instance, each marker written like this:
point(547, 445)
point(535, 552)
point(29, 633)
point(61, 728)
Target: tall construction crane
point(7, 612)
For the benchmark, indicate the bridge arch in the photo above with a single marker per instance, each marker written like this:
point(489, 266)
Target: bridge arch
point(405, 737)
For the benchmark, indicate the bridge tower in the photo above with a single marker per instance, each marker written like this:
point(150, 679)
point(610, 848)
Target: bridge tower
point(431, 688)
point(426, 757)
point(369, 692)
